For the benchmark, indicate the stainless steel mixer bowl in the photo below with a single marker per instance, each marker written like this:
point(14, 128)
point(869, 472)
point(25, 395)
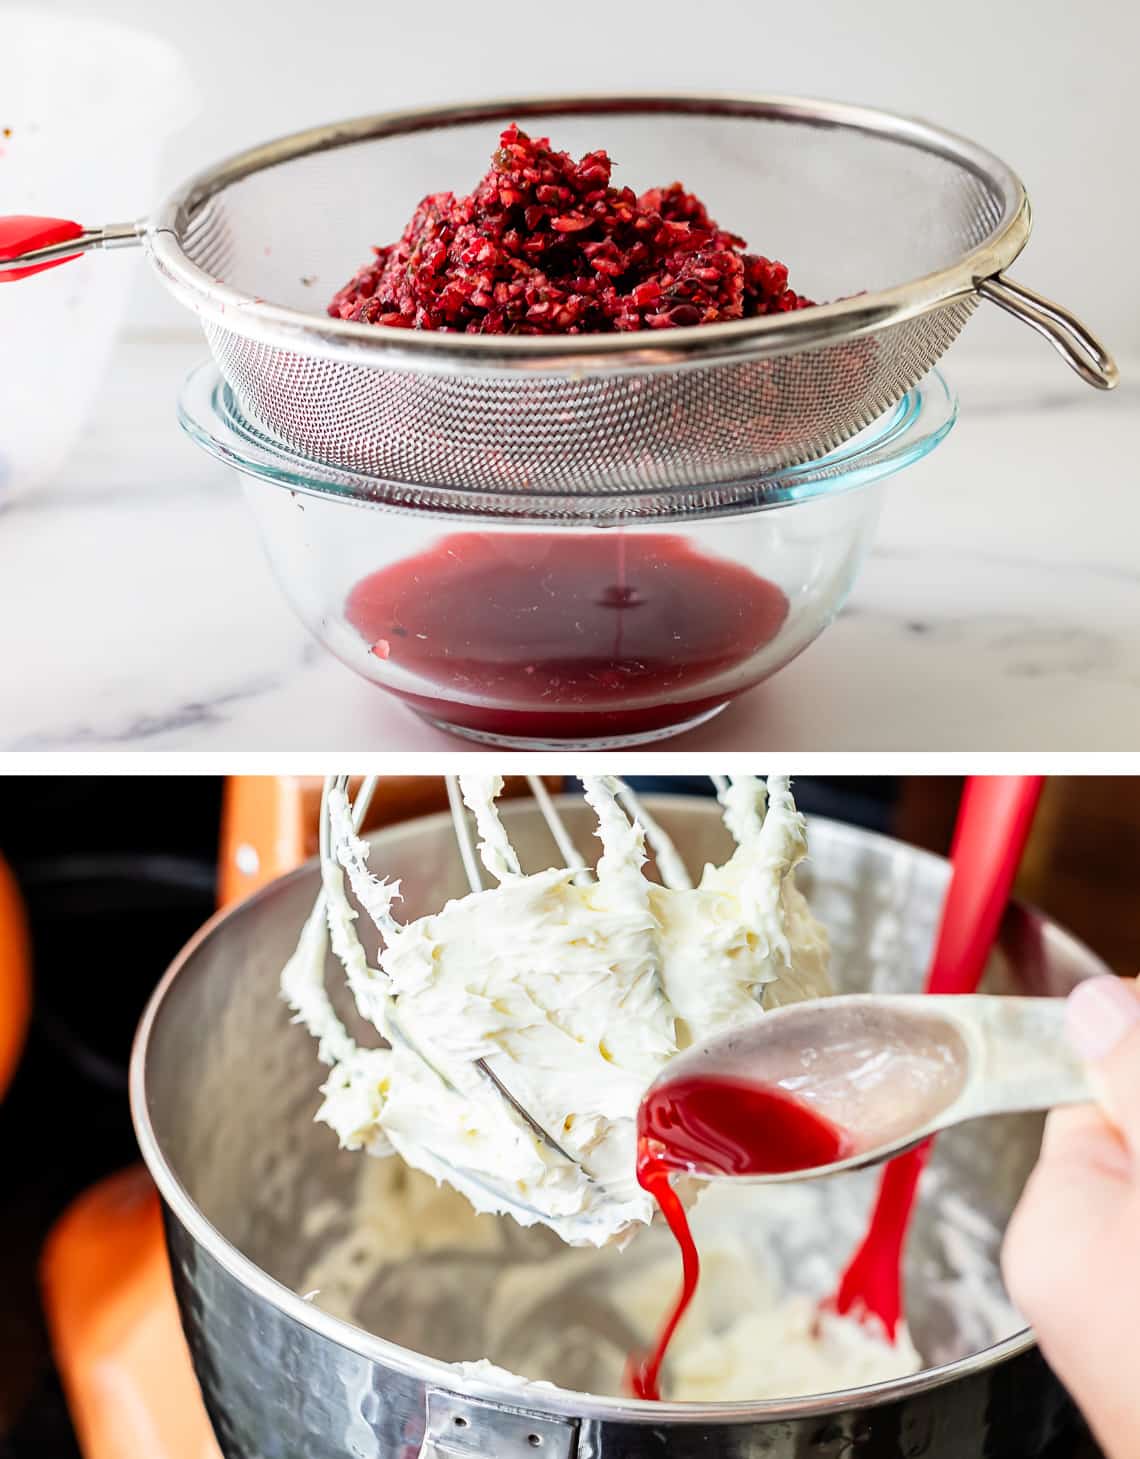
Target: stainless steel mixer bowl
point(223, 1093)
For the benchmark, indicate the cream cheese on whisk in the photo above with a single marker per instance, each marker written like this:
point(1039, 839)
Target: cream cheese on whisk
point(575, 992)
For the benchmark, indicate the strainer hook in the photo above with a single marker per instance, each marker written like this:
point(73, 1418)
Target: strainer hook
point(1073, 341)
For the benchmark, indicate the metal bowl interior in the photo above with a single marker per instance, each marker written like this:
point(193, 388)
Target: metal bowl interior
point(224, 1090)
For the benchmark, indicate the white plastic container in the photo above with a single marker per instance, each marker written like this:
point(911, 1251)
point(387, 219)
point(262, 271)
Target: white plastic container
point(86, 107)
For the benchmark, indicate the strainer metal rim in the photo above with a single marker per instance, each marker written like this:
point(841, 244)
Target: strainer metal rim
point(385, 347)
point(210, 415)
point(568, 1402)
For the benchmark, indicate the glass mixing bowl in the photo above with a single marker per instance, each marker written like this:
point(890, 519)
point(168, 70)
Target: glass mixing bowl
point(580, 621)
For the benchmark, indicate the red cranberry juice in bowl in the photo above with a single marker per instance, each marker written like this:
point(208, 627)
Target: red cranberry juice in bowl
point(549, 635)
point(552, 631)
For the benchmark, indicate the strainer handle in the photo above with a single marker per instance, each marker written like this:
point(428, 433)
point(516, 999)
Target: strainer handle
point(28, 245)
point(1074, 341)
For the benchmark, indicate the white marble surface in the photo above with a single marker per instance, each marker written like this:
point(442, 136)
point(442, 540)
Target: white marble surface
point(999, 610)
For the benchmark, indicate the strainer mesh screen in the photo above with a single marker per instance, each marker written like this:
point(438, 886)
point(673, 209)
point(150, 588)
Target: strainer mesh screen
point(848, 210)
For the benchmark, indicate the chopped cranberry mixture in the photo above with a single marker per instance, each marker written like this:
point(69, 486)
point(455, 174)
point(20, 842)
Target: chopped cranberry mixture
point(544, 245)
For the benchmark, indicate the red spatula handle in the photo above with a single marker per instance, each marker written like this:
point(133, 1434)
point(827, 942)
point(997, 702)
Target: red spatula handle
point(872, 1284)
point(989, 839)
point(40, 237)
point(993, 823)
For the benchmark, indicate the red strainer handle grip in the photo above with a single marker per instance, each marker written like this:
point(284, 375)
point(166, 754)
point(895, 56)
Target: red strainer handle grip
point(994, 819)
point(41, 237)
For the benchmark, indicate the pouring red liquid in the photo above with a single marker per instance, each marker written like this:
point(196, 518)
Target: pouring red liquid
point(567, 634)
point(726, 1127)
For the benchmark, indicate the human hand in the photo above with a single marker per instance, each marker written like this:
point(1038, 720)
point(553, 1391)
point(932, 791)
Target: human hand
point(1071, 1258)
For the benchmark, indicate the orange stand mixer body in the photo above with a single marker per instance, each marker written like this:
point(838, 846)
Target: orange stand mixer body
point(15, 978)
point(106, 1282)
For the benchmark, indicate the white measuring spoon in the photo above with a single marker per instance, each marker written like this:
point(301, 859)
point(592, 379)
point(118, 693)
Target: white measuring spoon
point(890, 1071)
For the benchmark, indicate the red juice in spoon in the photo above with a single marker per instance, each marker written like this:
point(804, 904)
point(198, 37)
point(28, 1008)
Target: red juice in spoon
point(705, 1123)
point(566, 634)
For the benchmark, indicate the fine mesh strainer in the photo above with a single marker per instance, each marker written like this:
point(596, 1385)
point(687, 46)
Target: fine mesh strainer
point(905, 226)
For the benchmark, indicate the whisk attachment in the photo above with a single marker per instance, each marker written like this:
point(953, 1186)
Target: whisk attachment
point(523, 1022)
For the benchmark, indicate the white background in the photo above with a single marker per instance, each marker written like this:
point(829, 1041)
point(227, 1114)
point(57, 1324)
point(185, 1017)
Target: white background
point(1052, 86)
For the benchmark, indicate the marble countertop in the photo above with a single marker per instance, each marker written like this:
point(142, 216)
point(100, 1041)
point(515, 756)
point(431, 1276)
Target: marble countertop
point(999, 608)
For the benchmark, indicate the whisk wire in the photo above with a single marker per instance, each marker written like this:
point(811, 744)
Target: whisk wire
point(621, 815)
point(475, 880)
point(463, 834)
point(557, 826)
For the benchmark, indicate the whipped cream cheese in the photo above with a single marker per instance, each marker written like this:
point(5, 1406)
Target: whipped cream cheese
point(745, 1339)
point(788, 1350)
point(573, 991)
point(417, 1265)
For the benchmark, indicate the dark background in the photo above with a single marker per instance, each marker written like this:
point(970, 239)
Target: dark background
point(117, 874)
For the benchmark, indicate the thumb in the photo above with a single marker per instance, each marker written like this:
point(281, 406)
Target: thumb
point(1103, 1023)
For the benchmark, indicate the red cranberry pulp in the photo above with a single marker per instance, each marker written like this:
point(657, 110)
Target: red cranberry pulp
point(562, 635)
point(726, 1127)
point(546, 244)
